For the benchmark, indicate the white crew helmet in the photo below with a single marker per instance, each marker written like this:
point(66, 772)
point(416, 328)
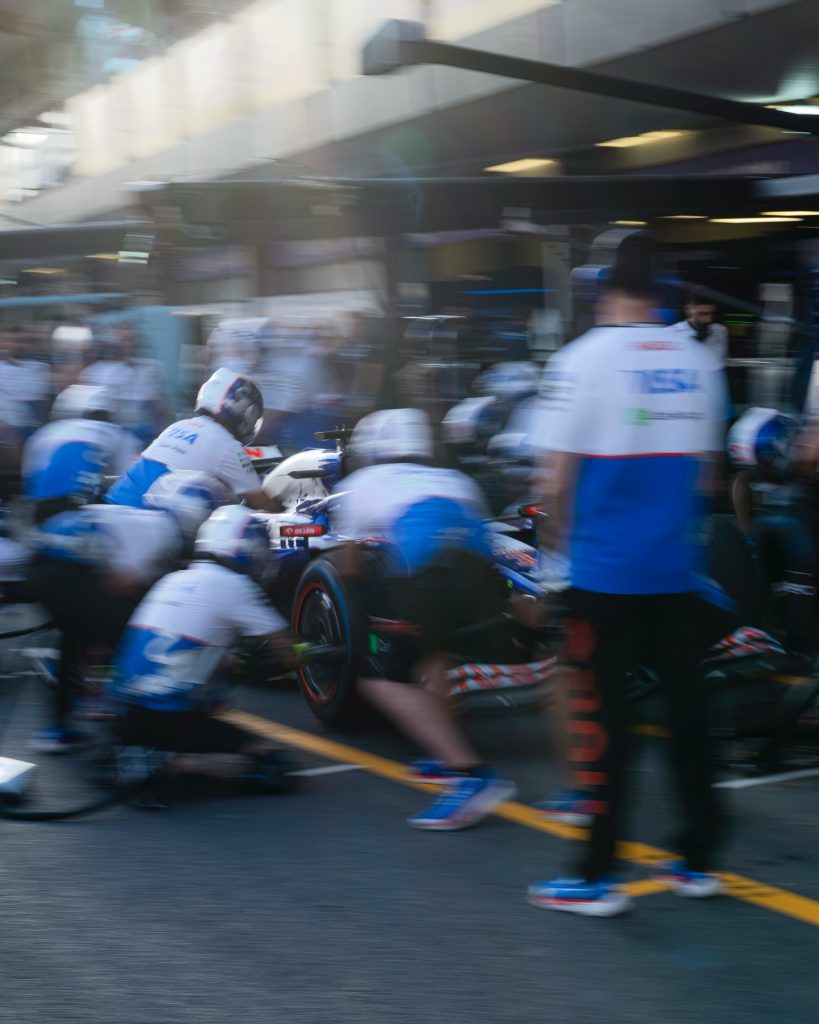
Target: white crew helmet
point(84, 401)
point(190, 496)
point(391, 435)
point(234, 401)
point(236, 538)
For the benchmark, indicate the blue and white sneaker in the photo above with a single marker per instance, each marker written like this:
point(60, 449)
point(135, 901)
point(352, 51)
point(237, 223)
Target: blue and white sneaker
point(57, 739)
point(694, 884)
point(433, 773)
point(569, 807)
point(604, 898)
point(465, 802)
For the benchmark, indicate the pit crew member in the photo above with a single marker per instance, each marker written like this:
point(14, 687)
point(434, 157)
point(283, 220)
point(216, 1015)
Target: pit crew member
point(228, 412)
point(167, 678)
point(64, 463)
point(634, 420)
point(437, 580)
point(92, 566)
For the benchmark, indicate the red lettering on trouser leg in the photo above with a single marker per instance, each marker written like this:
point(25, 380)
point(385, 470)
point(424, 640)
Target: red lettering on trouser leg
point(589, 739)
point(583, 689)
point(592, 742)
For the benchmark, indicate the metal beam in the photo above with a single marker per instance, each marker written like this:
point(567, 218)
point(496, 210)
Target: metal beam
point(400, 44)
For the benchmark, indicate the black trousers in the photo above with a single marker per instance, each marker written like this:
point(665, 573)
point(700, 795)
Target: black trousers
point(85, 612)
point(607, 635)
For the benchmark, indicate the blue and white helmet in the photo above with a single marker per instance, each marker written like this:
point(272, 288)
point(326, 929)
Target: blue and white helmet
point(761, 438)
point(84, 401)
point(237, 539)
point(190, 496)
point(234, 401)
point(510, 380)
point(391, 435)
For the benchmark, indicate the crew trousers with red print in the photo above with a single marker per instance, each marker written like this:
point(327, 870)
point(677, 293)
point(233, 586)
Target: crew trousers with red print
point(607, 636)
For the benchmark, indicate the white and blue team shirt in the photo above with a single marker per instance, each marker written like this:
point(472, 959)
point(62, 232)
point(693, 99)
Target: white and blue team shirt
point(139, 545)
point(70, 458)
point(177, 637)
point(198, 443)
point(416, 509)
point(643, 407)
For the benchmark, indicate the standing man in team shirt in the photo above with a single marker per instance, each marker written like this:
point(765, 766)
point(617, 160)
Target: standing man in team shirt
point(633, 420)
point(701, 324)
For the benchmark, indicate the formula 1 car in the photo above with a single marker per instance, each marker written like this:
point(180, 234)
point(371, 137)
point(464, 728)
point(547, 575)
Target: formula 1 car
point(758, 688)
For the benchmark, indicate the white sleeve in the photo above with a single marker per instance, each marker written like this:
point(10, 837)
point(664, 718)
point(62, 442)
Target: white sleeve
point(558, 421)
point(236, 470)
point(250, 611)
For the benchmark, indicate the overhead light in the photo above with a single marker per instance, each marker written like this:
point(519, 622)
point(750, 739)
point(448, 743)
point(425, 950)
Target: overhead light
point(43, 270)
point(684, 216)
point(790, 213)
point(629, 223)
point(103, 256)
point(627, 141)
point(811, 109)
point(531, 163)
point(755, 220)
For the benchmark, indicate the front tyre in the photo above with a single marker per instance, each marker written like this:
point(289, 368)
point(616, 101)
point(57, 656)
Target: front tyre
point(324, 613)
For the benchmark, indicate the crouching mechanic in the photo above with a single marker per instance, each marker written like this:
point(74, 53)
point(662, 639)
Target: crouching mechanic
point(91, 568)
point(65, 462)
point(437, 583)
point(229, 412)
point(773, 508)
point(167, 679)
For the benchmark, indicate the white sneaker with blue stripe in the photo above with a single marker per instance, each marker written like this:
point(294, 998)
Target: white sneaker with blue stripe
point(693, 884)
point(464, 802)
point(603, 898)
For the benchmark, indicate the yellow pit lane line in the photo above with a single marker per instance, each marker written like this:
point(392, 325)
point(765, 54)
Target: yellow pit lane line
point(780, 901)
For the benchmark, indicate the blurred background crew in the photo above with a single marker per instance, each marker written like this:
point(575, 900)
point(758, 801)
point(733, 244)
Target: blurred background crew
point(227, 417)
point(138, 383)
point(25, 383)
point(72, 347)
point(65, 462)
point(634, 419)
point(297, 386)
point(701, 324)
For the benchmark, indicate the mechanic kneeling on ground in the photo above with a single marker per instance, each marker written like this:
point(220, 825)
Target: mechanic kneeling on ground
point(91, 568)
point(229, 412)
point(167, 678)
point(437, 582)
